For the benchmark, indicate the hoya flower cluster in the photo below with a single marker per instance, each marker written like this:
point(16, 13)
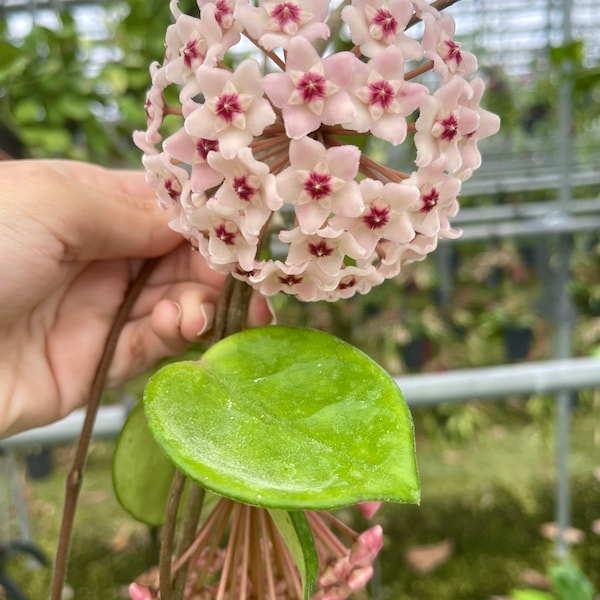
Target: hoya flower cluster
point(263, 169)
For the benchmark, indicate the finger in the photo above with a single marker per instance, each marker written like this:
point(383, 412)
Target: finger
point(260, 311)
point(185, 264)
point(99, 213)
point(140, 347)
point(116, 224)
point(196, 315)
point(127, 181)
point(167, 331)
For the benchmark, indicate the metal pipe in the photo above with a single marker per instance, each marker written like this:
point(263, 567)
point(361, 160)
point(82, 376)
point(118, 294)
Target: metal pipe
point(494, 383)
point(108, 423)
point(564, 310)
point(553, 225)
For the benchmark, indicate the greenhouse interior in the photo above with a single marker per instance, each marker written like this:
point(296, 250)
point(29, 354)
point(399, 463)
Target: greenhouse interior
point(493, 341)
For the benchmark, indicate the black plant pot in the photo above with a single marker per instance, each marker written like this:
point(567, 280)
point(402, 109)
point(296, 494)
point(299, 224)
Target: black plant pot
point(517, 342)
point(415, 353)
point(39, 463)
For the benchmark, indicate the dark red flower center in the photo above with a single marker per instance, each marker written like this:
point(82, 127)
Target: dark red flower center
point(381, 92)
point(173, 188)
point(320, 249)
point(318, 185)
point(376, 217)
point(290, 280)
point(285, 13)
point(311, 86)
point(450, 127)
point(228, 106)
point(242, 188)
point(453, 51)
point(191, 52)
point(385, 20)
point(348, 283)
point(204, 146)
point(222, 11)
point(430, 200)
point(227, 237)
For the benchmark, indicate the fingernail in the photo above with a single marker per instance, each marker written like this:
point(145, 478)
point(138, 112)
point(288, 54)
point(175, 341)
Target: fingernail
point(179, 312)
point(208, 313)
point(272, 311)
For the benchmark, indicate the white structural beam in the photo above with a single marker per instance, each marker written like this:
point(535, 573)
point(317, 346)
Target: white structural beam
point(489, 383)
point(108, 423)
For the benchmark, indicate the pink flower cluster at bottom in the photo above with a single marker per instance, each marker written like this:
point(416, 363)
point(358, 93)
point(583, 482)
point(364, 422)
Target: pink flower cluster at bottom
point(256, 563)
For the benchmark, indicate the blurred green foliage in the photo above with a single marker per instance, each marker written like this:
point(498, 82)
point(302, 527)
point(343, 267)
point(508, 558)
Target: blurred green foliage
point(66, 95)
point(568, 583)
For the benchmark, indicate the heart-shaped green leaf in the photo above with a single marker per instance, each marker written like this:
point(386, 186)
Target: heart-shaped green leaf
point(142, 472)
point(297, 534)
point(288, 418)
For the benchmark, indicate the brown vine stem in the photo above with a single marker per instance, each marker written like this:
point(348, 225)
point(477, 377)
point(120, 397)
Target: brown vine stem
point(270, 54)
point(368, 166)
point(168, 536)
point(419, 70)
point(75, 477)
point(189, 523)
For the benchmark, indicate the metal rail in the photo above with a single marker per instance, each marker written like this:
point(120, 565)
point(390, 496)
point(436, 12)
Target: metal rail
point(495, 383)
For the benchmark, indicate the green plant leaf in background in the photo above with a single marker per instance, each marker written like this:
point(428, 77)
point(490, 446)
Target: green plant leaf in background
point(570, 583)
point(142, 472)
point(289, 418)
point(297, 534)
point(531, 594)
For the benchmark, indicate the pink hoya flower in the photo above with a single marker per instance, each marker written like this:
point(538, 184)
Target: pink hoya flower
point(394, 257)
point(383, 99)
point(155, 112)
point(376, 25)
point(385, 216)
point(312, 91)
point(446, 123)
point(234, 111)
point(306, 281)
point(191, 42)
point(224, 14)
point(345, 558)
point(249, 189)
point(440, 46)
point(268, 158)
point(193, 151)
point(275, 24)
point(489, 124)
point(326, 249)
point(436, 202)
point(353, 279)
point(320, 181)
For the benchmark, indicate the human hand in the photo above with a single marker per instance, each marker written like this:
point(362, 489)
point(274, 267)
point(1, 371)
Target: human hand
point(72, 238)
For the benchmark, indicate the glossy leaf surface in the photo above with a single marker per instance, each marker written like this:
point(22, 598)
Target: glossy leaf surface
point(288, 418)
